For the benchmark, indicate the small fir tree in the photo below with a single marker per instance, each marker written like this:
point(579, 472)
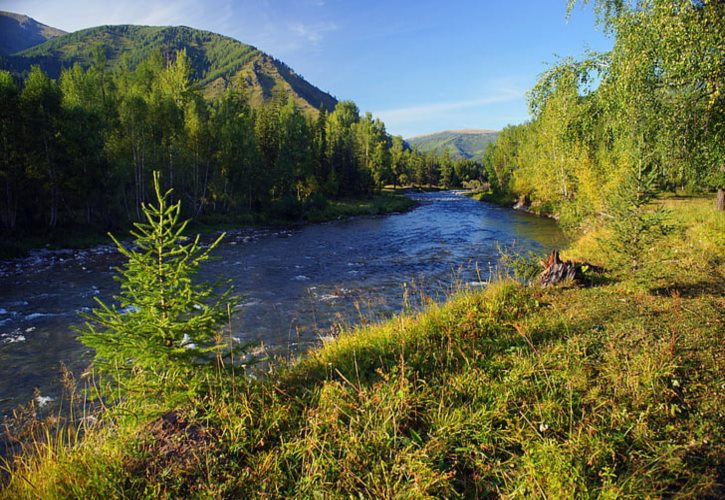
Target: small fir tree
point(636, 225)
point(166, 327)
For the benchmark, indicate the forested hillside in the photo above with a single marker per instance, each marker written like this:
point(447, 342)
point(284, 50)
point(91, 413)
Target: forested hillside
point(80, 150)
point(468, 144)
point(214, 60)
point(648, 116)
point(19, 32)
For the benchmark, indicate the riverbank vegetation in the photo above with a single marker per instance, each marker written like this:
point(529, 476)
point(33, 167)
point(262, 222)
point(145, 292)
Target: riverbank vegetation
point(609, 390)
point(79, 151)
point(76, 155)
point(653, 107)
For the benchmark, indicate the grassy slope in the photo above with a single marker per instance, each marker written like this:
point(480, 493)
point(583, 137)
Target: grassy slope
point(614, 390)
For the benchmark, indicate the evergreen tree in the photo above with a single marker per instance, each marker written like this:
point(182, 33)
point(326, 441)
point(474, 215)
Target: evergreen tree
point(635, 226)
point(165, 326)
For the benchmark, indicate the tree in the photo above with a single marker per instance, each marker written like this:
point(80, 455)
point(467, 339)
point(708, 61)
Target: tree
point(82, 136)
point(11, 172)
point(634, 224)
point(447, 173)
point(397, 160)
point(672, 53)
point(341, 148)
point(40, 109)
point(237, 156)
point(165, 326)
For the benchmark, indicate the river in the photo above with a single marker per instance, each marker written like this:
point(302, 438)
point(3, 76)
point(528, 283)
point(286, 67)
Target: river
point(296, 282)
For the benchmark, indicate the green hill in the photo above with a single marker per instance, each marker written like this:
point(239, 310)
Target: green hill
point(19, 32)
point(467, 143)
point(216, 59)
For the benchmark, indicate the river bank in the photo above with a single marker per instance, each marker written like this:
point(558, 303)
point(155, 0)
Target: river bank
point(512, 390)
point(509, 201)
point(14, 246)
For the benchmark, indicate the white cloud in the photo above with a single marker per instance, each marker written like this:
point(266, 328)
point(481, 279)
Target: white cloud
point(433, 110)
point(313, 33)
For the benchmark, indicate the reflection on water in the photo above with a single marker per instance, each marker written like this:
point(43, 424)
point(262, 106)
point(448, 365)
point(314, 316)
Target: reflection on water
point(296, 283)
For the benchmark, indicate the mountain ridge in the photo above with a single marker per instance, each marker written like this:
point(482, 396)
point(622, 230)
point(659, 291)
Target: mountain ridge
point(463, 131)
point(216, 59)
point(464, 143)
point(19, 32)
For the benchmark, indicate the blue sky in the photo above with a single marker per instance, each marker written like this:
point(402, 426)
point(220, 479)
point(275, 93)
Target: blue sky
point(421, 66)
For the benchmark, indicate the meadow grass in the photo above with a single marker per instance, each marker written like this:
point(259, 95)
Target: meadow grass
point(607, 391)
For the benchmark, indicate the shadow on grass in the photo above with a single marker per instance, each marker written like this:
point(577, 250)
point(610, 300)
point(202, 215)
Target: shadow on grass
point(691, 290)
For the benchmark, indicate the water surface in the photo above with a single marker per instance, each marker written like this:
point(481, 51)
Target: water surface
point(296, 282)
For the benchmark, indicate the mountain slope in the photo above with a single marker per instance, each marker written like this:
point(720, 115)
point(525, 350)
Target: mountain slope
point(216, 59)
point(467, 143)
point(19, 32)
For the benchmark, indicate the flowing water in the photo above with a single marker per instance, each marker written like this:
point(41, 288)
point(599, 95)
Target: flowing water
point(296, 283)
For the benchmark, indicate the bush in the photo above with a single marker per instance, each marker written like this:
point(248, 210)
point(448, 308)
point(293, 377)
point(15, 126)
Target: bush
point(287, 208)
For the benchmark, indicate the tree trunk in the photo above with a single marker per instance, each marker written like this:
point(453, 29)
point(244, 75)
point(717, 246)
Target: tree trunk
point(720, 199)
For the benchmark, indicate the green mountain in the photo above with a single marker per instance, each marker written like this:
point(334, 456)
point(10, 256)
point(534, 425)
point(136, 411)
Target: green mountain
point(19, 32)
point(467, 143)
point(216, 59)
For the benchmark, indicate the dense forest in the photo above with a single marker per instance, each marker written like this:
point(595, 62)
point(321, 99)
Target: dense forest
point(82, 149)
point(653, 109)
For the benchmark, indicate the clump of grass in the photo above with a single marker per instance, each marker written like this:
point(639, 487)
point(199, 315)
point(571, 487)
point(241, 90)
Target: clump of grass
point(524, 265)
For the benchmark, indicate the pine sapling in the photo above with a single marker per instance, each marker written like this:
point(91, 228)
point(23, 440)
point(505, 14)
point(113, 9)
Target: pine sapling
point(165, 326)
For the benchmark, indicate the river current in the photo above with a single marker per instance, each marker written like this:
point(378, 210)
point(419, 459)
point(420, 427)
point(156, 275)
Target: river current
point(296, 283)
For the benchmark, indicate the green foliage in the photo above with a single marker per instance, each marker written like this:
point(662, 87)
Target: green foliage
point(635, 225)
point(654, 103)
point(76, 152)
point(165, 327)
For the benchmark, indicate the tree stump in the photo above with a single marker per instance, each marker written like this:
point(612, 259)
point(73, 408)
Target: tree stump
point(558, 271)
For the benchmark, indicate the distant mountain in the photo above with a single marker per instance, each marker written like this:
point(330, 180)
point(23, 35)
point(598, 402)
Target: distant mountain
point(19, 32)
point(216, 59)
point(466, 143)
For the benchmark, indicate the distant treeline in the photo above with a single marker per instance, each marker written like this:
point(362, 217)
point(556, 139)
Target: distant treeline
point(82, 149)
point(653, 107)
